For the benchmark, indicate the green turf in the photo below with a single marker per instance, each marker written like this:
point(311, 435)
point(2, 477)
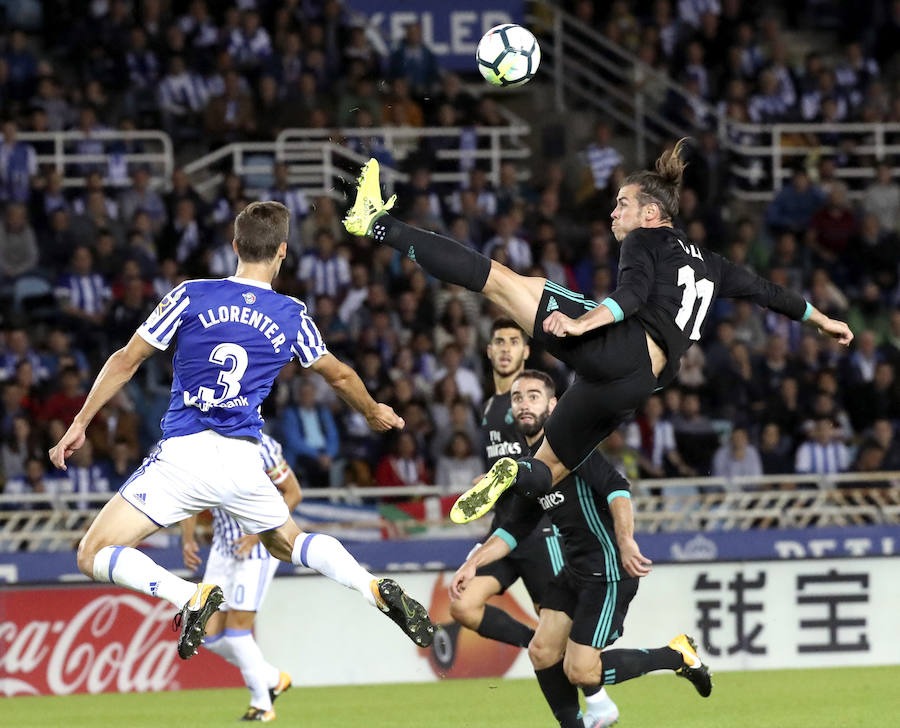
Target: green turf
point(833, 698)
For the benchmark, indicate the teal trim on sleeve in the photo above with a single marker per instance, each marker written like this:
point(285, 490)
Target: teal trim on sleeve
point(808, 312)
point(616, 309)
point(618, 494)
point(506, 537)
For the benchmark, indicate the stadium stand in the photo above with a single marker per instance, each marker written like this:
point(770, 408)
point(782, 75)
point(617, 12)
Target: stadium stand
point(134, 132)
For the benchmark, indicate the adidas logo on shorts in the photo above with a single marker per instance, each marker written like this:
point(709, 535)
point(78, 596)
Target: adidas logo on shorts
point(142, 497)
point(552, 305)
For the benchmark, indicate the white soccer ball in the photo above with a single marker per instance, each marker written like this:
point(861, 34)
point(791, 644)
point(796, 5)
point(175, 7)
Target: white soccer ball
point(508, 55)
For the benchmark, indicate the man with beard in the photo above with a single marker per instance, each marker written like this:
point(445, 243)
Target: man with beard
point(584, 605)
point(539, 556)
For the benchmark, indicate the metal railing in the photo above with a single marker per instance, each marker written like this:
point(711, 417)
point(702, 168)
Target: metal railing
point(73, 165)
point(588, 68)
point(319, 160)
point(778, 148)
point(38, 522)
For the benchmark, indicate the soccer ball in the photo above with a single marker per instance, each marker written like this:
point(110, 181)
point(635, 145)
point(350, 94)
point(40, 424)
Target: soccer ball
point(508, 55)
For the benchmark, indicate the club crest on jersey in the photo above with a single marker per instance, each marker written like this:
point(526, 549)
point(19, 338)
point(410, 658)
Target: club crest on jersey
point(249, 297)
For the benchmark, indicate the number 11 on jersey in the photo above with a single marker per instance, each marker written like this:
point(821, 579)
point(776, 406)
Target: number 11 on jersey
point(693, 289)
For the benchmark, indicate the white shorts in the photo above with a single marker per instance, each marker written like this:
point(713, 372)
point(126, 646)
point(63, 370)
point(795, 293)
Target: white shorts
point(188, 474)
point(244, 581)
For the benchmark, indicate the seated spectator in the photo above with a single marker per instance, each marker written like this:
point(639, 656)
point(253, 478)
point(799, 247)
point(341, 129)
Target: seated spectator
point(65, 403)
point(877, 249)
point(16, 349)
point(773, 366)
point(141, 198)
point(310, 439)
point(737, 458)
point(695, 435)
point(184, 239)
point(414, 61)
point(36, 480)
point(868, 313)
point(775, 450)
point(18, 244)
point(516, 250)
point(832, 227)
point(127, 313)
point(88, 476)
point(459, 465)
point(653, 438)
point(466, 380)
point(622, 457)
point(823, 452)
point(882, 433)
point(882, 198)
point(876, 399)
point(83, 294)
point(18, 447)
point(230, 117)
point(324, 271)
point(122, 462)
point(18, 166)
point(793, 207)
point(404, 465)
point(249, 45)
point(601, 157)
point(400, 108)
point(460, 418)
point(182, 97)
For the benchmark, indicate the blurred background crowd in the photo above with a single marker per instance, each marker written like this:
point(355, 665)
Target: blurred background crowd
point(80, 268)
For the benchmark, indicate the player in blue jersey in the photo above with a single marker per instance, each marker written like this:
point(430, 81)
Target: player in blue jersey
point(233, 336)
point(244, 569)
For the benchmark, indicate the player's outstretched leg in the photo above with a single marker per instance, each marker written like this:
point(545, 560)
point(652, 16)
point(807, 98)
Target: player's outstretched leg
point(444, 258)
point(102, 558)
point(680, 655)
point(482, 496)
point(328, 556)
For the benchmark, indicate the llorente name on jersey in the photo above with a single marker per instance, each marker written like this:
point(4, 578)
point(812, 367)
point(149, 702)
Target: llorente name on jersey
point(244, 315)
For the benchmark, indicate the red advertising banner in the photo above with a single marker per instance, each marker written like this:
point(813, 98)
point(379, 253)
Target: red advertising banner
point(92, 639)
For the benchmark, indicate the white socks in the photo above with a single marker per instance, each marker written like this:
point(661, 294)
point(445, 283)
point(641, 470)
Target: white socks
point(240, 649)
point(599, 697)
point(135, 570)
point(328, 556)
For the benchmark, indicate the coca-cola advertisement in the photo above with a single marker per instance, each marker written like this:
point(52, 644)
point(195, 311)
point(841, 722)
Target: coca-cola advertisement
point(90, 639)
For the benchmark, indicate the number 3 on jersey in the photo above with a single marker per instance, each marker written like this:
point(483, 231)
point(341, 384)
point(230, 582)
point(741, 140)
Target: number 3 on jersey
point(693, 289)
point(226, 355)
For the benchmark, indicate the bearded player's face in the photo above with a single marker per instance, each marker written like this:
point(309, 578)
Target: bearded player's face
point(531, 405)
point(628, 213)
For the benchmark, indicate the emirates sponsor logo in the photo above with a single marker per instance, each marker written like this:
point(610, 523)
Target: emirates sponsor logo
point(113, 642)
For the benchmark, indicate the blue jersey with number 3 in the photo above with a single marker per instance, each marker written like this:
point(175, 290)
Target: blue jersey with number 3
point(233, 337)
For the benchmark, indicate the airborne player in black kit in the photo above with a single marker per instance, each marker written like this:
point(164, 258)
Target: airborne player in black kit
point(585, 604)
point(622, 348)
point(539, 555)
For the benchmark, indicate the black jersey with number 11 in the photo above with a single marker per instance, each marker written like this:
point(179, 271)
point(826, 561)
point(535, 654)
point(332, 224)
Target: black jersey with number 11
point(668, 284)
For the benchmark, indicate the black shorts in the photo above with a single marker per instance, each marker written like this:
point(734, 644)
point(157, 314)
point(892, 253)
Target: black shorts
point(614, 376)
point(597, 608)
point(535, 560)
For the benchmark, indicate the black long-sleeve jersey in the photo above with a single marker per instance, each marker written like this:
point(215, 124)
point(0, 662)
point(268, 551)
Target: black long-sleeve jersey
point(579, 508)
point(502, 440)
point(668, 284)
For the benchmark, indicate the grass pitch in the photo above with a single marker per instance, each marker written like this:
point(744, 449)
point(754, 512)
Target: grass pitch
point(832, 698)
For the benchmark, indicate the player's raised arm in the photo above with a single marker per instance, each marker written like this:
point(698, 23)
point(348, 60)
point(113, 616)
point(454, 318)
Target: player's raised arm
point(350, 388)
point(116, 372)
point(738, 282)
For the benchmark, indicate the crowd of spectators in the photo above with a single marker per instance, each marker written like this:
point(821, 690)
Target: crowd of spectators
point(81, 268)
